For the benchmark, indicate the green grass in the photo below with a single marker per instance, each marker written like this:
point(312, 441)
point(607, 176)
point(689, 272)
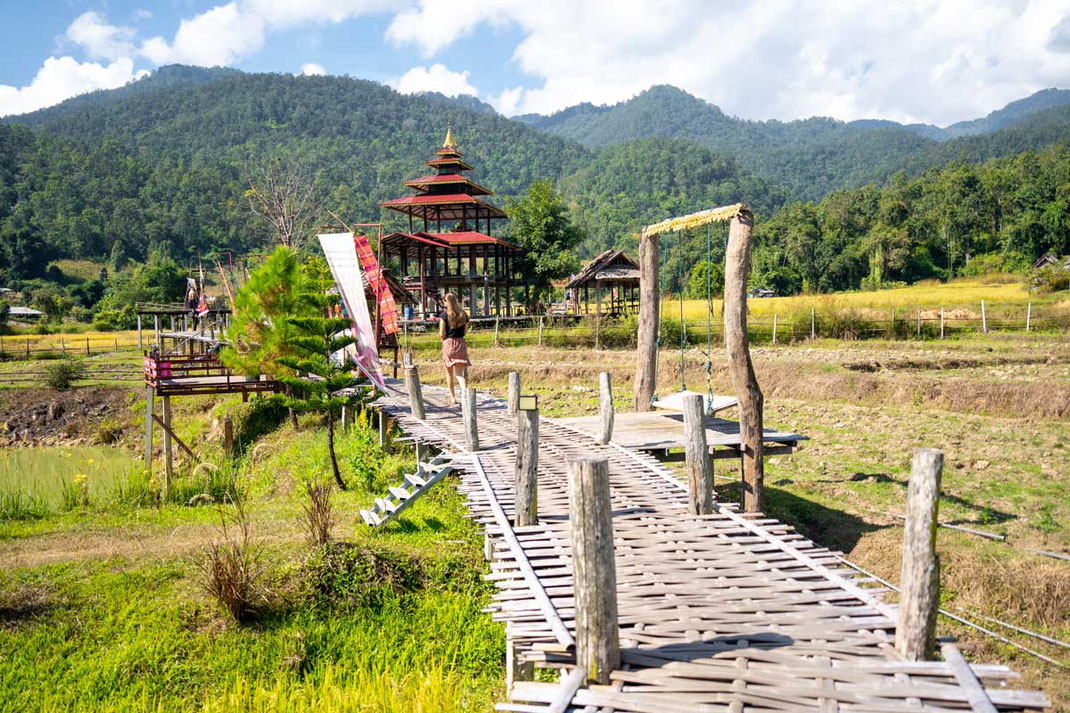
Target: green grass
point(389, 621)
point(47, 474)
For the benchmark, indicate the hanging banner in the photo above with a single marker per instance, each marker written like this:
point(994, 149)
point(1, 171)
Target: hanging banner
point(388, 314)
point(340, 251)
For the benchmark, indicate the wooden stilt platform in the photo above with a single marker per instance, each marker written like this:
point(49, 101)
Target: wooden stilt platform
point(719, 612)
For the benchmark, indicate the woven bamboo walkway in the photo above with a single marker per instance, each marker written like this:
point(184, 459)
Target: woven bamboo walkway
point(723, 612)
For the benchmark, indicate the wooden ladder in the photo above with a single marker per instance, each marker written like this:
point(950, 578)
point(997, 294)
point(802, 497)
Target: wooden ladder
point(401, 496)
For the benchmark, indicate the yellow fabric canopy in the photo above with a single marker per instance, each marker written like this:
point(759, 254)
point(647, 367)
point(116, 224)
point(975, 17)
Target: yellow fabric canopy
point(694, 220)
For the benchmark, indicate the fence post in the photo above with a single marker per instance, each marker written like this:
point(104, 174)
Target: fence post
point(149, 396)
point(496, 321)
point(384, 440)
point(813, 324)
point(984, 318)
point(941, 322)
point(27, 348)
point(468, 413)
point(699, 477)
point(63, 346)
point(919, 597)
point(594, 569)
point(1028, 315)
point(527, 468)
point(139, 346)
point(605, 389)
point(919, 321)
point(540, 330)
point(774, 328)
point(228, 435)
point(416, 394)
point(87, 346)
point(514, 391)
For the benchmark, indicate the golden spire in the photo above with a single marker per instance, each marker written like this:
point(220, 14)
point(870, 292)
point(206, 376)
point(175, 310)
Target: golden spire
point(449, 143)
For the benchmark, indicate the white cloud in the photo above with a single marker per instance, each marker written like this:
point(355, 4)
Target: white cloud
point(226, 33)
point(64, 77)
point(142, 14)
point(311, 69)
point(918, 60)
point(99, 39)
point(436, 78)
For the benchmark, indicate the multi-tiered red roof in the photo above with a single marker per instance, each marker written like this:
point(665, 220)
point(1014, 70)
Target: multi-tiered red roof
point(447, 195)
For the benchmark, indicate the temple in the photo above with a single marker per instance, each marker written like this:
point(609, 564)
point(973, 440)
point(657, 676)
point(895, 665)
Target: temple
point(449, 246)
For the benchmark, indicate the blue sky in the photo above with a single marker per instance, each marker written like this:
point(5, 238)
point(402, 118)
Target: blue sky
point(936, 61)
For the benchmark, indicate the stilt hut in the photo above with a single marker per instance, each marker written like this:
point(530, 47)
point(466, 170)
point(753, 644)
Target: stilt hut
point(451, 248)
point(611, 280)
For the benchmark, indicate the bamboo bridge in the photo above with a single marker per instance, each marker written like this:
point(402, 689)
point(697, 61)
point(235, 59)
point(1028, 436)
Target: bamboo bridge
point(728, 611)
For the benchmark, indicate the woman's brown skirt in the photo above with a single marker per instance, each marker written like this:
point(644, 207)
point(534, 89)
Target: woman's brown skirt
point(455, 352)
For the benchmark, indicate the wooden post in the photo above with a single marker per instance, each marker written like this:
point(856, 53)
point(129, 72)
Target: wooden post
point(941, 322)
point(515, 669)
point(774, 328)
point(416, 394)
point(140, 347)
point(471, 422)
point(605, 402)
point(699, 475)
point(919, 596)
point(737, 267)
point(87, 346)
point(594, 569)
point(1028, 316)
point(514, 391)
point(813, 322)
point(598, 317)
point(384, 440)
point(527, 465)
point(497, 321)
point(149, 396)
point(919, 322)
point(345, 419)
point(646, 372)
point(540, 330)
point(228, 435)
point(63, 346)
point(168, 463)
point(156, 330)
point(984, 318)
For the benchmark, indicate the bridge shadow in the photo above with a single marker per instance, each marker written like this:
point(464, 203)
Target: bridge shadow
point(988, 515)
point(702, 649)
point(826, 526)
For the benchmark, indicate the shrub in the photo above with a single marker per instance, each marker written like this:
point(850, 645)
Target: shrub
point(1050, 279)
point(232, 568)
point(318, 516)
point(62, 374)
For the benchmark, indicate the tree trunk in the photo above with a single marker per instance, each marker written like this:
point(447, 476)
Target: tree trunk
point(293, 414)
point(330, 449)
point(737, 267)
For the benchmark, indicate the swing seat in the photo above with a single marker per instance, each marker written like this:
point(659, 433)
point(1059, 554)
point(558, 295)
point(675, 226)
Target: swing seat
point(710, 405)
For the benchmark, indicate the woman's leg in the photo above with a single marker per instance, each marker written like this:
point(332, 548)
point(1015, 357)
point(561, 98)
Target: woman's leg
point(450, 379)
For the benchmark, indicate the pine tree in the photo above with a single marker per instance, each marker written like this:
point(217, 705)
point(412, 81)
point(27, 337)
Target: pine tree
point(316, 375)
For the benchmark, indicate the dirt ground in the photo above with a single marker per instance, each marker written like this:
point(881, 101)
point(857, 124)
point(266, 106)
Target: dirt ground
point(45, 417)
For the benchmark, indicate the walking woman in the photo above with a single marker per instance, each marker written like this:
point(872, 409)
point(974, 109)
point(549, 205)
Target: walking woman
point(451, 328)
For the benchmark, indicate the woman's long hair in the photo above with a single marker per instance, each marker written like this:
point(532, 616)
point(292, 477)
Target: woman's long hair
point(455, 314)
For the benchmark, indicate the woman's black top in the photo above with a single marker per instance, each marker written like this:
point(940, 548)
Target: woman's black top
point(451, 332)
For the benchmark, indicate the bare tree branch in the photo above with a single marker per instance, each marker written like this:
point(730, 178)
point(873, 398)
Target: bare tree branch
point(284, 196)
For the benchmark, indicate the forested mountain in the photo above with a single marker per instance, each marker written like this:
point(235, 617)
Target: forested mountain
point(162, 166)
point(811, 157)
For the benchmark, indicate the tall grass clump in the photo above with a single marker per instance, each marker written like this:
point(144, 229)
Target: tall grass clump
point(232, 567)
point(18, 504)
point(62, 373)
point(318, 518)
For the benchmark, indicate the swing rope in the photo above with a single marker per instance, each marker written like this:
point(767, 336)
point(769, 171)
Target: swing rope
point(709, 319)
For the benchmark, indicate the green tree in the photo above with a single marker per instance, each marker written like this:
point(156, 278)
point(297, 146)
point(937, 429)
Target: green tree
point(260, 332)
point(316, 376)
point(696, 285)
point(541, 225)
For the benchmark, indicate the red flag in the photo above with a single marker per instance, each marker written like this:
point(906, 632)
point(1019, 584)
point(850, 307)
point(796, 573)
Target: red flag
point(388, 314)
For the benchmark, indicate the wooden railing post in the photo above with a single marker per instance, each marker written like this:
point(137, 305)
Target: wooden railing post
point(646, 371)
point(540, 329)
point(605, 401)
point(1028, 316)
point(919, 596)
point(699, 474)
point(514, 391)
point(744, 382)
point(468, 413)
point(416, 394)
point(228, 435)
point(774, 328)
point(984, 318)
point(527, 467)
point(594, 569)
